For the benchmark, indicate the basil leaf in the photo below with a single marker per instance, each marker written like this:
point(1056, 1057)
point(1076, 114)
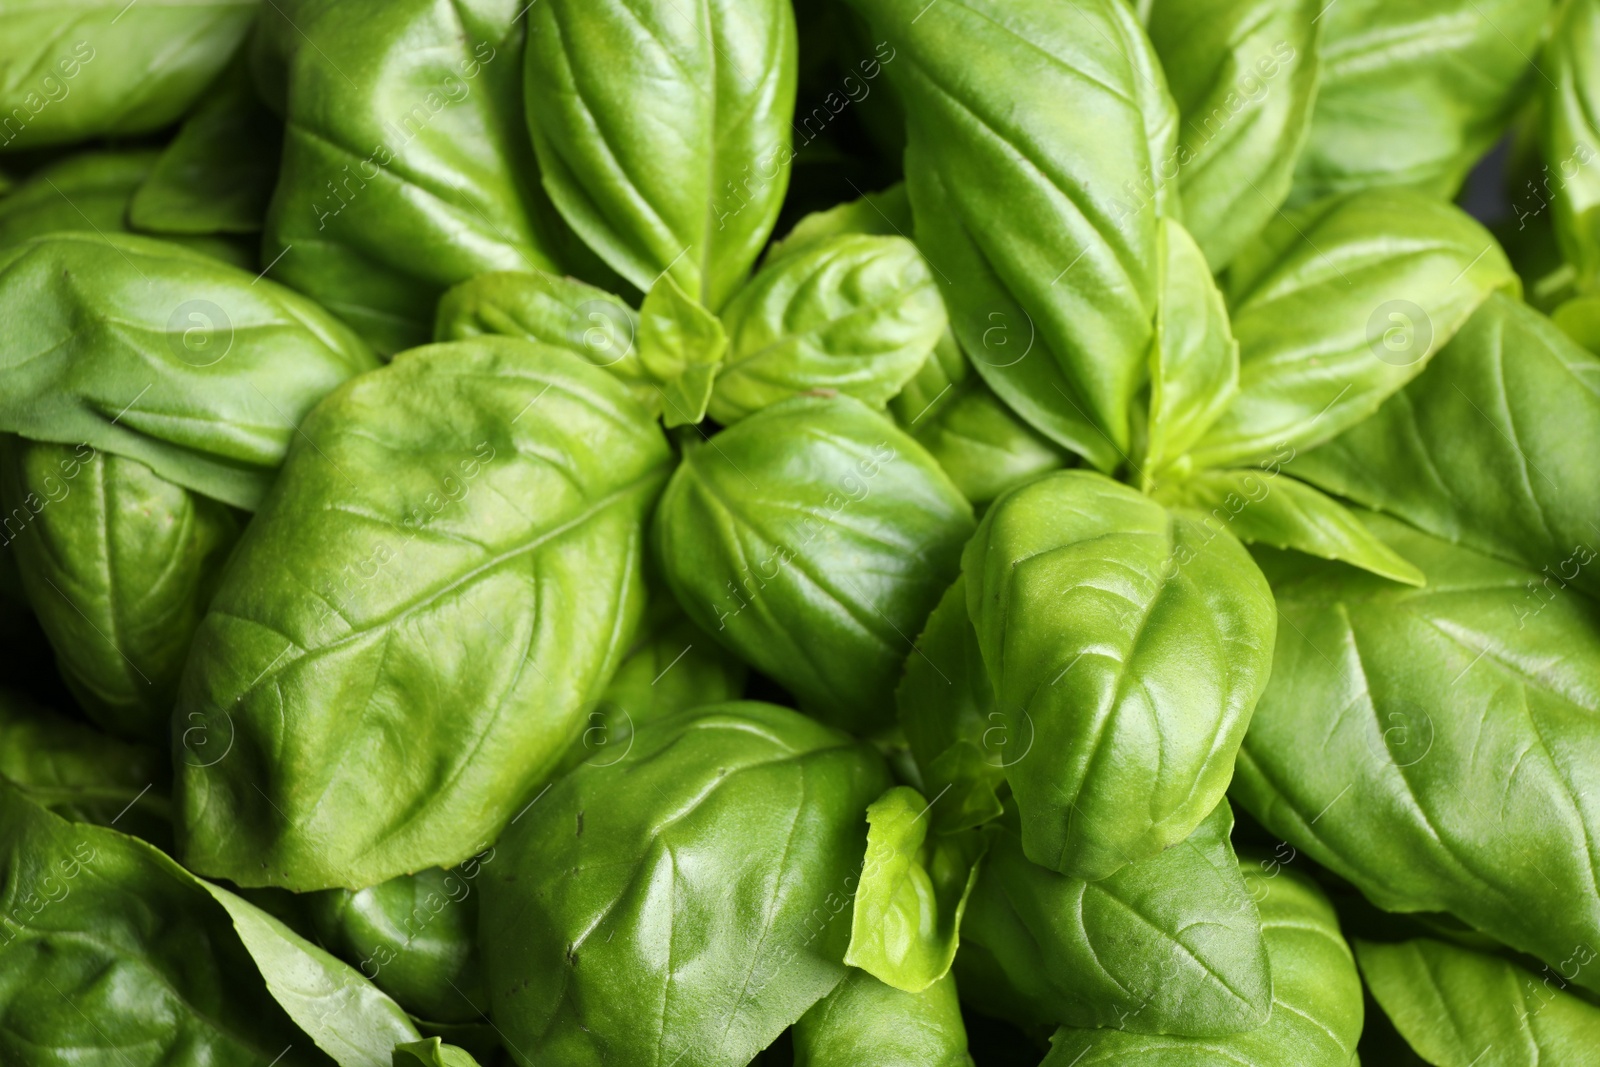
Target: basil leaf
point(854, 314)
point(1194, 362)
point(1271, 508)
point(1243, 74)
point(406, 164)
point(947, 712)
point(119, 564)
point(1455, 755)
point(109, 944)
point(912, 893)
point(1490, 448)
point(96, 68)
point(82, 774)
point(864, 1023)
point(431, 1053)
point(414, 937)
point(551, 310)
point(1338, 306)
point(1316, 996)
point(216, 175)
point(143, 349)
point(812, 539)
point(1040, 222)
point(1461, 66)
point(1128, 645)
point(730, 837)
point(91, 191)
point(885, 214)
point(681, 345)
point(1457, 1007)
point(663, 131)
point(1579, 319)
point(1169, 945)
point(1568, 134)
point(484, 498)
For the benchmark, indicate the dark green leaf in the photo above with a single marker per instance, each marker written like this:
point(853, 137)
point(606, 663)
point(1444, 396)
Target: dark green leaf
point(1570, 137)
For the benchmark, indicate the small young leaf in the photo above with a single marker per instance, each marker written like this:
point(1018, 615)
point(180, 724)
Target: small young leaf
point(681, 345)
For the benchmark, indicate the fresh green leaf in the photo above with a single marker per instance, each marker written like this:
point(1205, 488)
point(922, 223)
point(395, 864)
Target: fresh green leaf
point(947, 712)
point(885, 214)
point(1268, 507)
point(93, 68)
point(681, 345)
point(812, 539)
point(1169, 945)
point(1244, 75)
point(1579, 319)
point(1492, 448)
point(852, 314)
point(864, 1023)
point(118, 564)
point(217, 174)
point(1338, 306)
point(663, 131)
point(82, 774)
point(143, 349)
point(908, 905)
point(1439, 747)
point(1127, 646)
point(1413, 93)
point(1040, 221)
point(406, 163)
point(447, 569)
point(706, 875)
point(414, 937)
point(1316, 996)
point(1460, 1008)
point(1194, 361)
point(1570, 135)
point(431, 1053)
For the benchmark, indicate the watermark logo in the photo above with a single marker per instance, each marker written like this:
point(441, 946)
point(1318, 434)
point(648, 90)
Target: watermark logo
point(1400, 333)
point(199, 332)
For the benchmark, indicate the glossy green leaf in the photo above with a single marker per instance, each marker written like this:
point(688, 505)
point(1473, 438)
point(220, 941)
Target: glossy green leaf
point(864, 1023)
point(913, 890)
point(1169, 945)
point(1316, 996)
point(1437, 747)
point(663, 130)
point(812, 539)
point(885, 214)
point(109, 945)
point(980, 443)
point(947, 712)
point(1194, 361)
point(1570, 135)
point(91, 191)
point(82, 774)
point(405, 639)
point(1244, 75)
point(1127, 646)
point(1040, 222)
point(406, 163)
point(119, 565)
point(681, 346)
point(217, 174)
point(414, 937)
point(1492, 448)
point(143, 349)
point(1460, 66)
point(1338, 306)
point(1460, 1008)
point(431, 1053)
point(706, 876)
point(90, 68)
point(1265, 506)
point(551, 310)
point(851, 314)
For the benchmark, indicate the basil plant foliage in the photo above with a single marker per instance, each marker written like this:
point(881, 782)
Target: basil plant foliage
point(856, 533)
